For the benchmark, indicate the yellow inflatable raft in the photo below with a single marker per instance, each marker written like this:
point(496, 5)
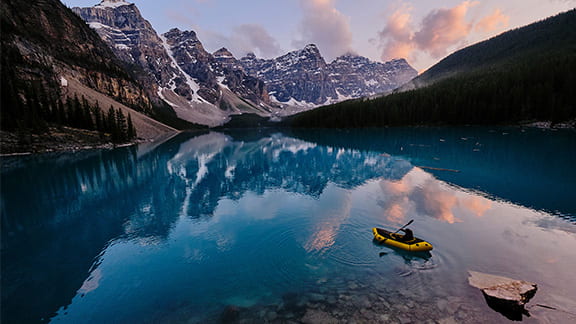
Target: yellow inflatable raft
point(386, 237)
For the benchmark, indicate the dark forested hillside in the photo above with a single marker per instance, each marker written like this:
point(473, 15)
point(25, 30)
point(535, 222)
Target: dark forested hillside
point(549, 37)
point(42, 39)
point(42, 42)
point(49, 58)
point(523, 75)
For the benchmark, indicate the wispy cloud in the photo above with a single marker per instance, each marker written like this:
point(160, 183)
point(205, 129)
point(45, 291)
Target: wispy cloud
point(254, 38)
point(242, 40)
point(493, 22)
point(326, 27)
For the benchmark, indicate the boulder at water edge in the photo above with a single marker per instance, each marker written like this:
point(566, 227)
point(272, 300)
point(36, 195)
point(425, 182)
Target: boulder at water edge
point(505, 295)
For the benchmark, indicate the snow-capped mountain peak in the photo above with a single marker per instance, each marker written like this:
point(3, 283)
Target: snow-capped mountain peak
point(206, 88)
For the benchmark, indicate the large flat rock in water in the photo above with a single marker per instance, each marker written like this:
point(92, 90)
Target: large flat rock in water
point(506, 295)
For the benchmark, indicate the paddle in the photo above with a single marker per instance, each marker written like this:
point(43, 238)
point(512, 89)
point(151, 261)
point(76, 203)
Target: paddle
point(410, 222)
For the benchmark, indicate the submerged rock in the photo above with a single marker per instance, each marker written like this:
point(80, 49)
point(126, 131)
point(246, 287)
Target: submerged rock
point(505, 295)
point(313, 316)
point(230, 314)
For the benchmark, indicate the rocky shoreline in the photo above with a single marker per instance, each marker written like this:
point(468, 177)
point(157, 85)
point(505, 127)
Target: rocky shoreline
point(61, 139)
point(549, 125)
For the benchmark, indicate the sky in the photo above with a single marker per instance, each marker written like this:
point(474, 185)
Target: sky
point(421, 31)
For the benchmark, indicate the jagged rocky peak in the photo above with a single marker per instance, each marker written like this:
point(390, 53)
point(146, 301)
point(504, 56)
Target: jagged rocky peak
point(121, 25)
point(227, 59)
point(311, 52)
point(250, 60)
point(311, 48)
point(223, 53)
point(398, 61)
point(113, 4)
point(351, 58)
point(187, 41)
point(189, 35)
point(308, 59)
point(187, 48)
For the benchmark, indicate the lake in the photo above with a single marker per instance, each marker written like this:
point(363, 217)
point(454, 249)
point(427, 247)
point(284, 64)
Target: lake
point(275, 226)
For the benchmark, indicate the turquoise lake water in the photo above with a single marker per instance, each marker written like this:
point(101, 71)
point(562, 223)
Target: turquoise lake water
point(268, 226)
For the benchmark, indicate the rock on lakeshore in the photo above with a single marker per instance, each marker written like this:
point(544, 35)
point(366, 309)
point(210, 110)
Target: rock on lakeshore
point(505, 295)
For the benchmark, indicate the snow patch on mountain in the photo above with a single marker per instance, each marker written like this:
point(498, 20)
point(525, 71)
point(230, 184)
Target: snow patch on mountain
point(191, 83)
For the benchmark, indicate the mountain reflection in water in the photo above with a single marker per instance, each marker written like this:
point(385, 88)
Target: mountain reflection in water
point(85, 236)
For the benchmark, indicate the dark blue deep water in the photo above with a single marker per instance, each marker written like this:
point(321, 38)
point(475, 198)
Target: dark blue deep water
point(265, 226)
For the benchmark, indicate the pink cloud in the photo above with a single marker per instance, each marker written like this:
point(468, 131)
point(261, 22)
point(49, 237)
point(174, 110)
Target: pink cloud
point(396, 213)
point(435, 200)
point(476, 205)
point(440, 30)
point(492, 22)
point(443, 28)
point(397, 36)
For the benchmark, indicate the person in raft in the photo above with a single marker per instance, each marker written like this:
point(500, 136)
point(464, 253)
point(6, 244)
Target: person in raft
point(408, 235)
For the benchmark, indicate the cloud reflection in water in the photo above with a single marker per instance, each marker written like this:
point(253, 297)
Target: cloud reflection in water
point(418, 192)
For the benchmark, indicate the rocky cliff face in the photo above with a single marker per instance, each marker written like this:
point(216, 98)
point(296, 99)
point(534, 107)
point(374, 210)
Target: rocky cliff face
point(236, 78)
point(193, 60)
point(133, 40)
point(304, 78)
point(297, 78)
point(44, 42)
point(199, 86)
point(217, 76)
point(356, 76)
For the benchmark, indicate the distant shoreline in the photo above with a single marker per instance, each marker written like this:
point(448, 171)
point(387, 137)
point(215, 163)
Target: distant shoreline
point(72, 140)
point(60, 140)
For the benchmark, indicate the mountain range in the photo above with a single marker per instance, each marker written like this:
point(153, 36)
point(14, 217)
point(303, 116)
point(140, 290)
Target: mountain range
point(206, 88)
point(303, 78)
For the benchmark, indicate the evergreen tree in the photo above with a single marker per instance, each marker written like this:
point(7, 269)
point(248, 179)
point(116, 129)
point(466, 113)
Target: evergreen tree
point(111, 123)
point(121, 125)
point(60, 114)
point(131, 130)
point(75, 112)
point(87, 122)
point(98, 118)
